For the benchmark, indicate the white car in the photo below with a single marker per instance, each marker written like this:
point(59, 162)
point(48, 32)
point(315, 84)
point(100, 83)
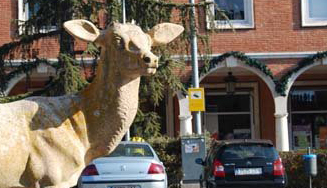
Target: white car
point(131, 165)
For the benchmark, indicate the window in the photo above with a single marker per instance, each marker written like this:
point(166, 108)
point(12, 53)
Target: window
point(226, 103)
point(249, 150)
point(314, 12)
point(25, 12)
point(132, 150)
point(239, 13)
point(308, 109)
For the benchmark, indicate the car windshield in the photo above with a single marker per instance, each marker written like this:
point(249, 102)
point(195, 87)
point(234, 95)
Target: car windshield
point(132, 150)
point(245, 151)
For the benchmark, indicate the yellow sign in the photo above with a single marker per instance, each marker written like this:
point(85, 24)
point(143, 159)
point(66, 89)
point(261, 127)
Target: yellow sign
point(196, 99)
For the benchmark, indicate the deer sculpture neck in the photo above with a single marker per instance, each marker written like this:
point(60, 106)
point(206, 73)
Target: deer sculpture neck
point(110, 103)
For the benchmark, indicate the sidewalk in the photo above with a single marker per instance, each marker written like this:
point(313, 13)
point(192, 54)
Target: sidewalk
point(191, 185)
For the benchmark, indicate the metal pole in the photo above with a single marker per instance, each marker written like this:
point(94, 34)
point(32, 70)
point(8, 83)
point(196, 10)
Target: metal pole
point(195, 73)
point(127, 135)
point(310, 177)
point(124, 11)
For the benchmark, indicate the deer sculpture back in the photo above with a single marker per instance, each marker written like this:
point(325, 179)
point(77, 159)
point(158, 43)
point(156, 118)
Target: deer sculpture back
point(47, 141)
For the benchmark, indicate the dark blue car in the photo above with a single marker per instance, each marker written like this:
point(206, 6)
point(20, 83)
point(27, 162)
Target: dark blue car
point(242, 163)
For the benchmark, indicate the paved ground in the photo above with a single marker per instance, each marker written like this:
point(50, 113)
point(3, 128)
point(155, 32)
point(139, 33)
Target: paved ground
point(190, 185)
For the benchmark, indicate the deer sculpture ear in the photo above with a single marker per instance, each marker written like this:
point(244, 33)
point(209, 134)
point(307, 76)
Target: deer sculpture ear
point(83, 30)
point(164, 33)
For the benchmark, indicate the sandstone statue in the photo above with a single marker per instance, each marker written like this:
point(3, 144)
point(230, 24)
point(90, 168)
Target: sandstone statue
point(47, 141)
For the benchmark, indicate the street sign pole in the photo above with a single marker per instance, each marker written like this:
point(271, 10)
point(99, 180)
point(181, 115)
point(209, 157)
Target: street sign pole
point(195, 73)
point(127, 135)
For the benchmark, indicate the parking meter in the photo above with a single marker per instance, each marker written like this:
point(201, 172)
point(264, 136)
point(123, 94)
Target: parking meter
point(310, 164)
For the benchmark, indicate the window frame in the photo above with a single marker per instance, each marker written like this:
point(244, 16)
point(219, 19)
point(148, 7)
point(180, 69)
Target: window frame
point(306, 20)
point(23, 15)
point(247, 23)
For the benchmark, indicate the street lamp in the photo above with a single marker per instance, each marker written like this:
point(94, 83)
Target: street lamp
point(230, 81)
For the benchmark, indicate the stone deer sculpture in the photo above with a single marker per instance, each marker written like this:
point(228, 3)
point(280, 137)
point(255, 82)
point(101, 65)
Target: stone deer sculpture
point(47, 141)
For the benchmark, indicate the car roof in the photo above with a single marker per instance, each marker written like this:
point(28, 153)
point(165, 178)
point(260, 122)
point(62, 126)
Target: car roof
point(242, 141)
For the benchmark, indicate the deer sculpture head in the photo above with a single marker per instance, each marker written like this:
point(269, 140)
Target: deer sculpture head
point(126, 46)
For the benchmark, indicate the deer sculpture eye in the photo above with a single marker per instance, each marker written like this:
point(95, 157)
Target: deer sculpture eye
point(132, 47)
point(119, 42)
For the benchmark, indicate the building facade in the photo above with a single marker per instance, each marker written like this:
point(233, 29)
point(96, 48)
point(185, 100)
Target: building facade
point(280, 75)
point(273, 53)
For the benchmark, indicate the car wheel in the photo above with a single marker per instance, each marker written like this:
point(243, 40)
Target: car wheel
point(201, 182)
point(209, 185)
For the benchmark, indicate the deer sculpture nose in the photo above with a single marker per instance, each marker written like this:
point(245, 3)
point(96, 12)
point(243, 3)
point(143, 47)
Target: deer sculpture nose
point(146, 59)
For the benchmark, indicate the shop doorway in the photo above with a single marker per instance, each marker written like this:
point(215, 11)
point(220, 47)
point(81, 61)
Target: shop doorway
point(229, 116)
point(308, 109)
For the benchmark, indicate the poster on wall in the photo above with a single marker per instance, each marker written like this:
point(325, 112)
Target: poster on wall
point(323, 137)
point(301, 136)
point(192, 148)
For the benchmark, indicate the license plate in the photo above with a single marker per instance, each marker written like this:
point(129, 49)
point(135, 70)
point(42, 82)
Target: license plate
point(124, 186)
point(248, 171)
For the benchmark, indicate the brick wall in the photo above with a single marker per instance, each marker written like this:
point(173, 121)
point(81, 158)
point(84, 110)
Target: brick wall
point(277, 29)
point(8, 10)
point(45, 48)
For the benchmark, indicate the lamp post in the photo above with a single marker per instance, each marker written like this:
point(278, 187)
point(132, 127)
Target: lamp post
point(230, 81)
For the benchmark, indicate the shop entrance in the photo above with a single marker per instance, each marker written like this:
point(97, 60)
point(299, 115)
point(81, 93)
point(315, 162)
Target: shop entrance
point(308, 109)
point(229, 116)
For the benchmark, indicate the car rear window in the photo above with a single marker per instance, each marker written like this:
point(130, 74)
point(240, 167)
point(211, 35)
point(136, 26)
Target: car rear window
point(244, 151)
point(132, 150)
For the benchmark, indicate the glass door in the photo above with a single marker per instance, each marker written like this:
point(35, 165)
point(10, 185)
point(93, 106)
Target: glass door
point(229, 116)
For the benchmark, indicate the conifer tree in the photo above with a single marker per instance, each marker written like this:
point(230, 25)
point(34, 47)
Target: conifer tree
point(44, 14)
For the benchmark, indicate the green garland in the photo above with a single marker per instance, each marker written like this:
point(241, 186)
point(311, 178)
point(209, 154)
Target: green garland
point(23, 68)
point(7, 48)
point(239, 55)
point(282, 83)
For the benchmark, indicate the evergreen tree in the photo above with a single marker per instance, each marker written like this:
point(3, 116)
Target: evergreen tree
point(44, 14)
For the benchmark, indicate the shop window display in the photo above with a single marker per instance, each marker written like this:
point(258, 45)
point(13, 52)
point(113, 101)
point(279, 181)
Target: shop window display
point(309, 118)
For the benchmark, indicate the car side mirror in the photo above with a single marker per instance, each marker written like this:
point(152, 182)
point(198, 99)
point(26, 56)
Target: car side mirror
point(199, 161)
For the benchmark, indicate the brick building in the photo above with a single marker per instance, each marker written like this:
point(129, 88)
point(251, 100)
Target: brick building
point(280, 78)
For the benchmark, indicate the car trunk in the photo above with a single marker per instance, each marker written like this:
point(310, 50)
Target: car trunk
point(249, 162)
point(128, 167)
